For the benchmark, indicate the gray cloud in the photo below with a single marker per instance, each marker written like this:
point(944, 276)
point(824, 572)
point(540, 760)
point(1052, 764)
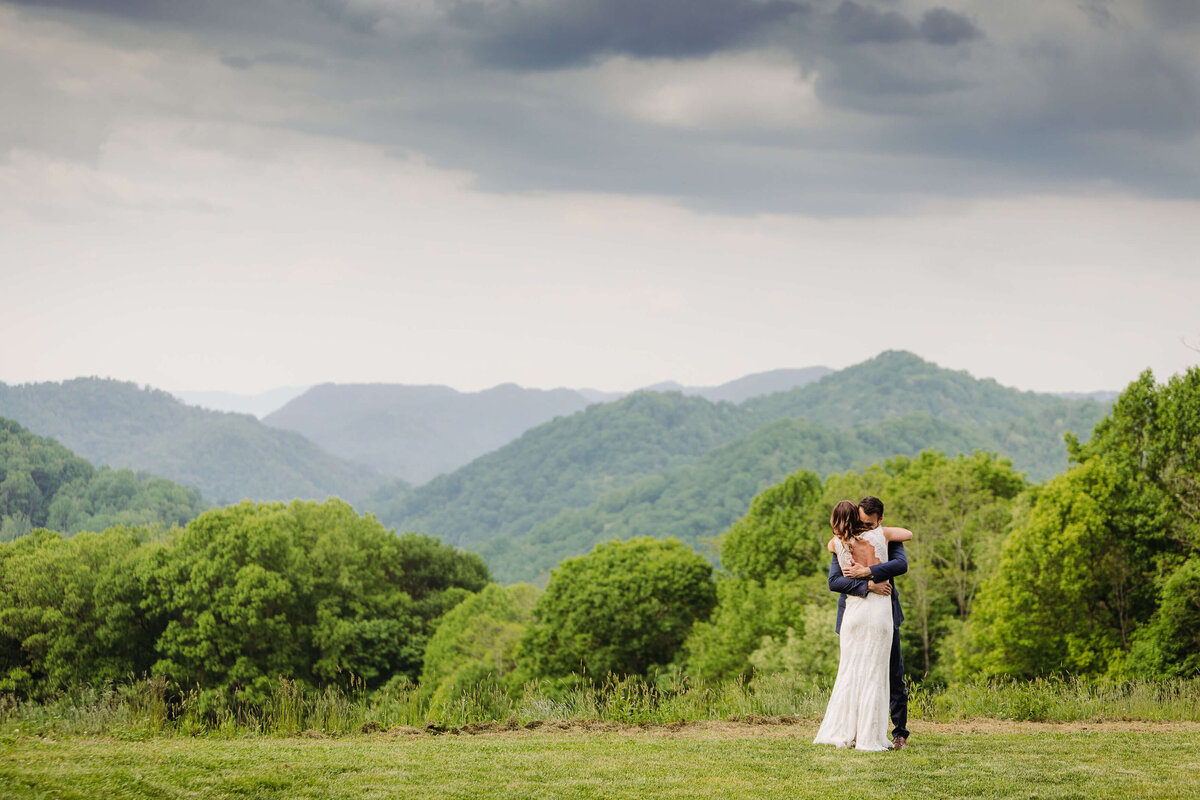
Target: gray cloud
point(982, 100)
point(531, 35)
point(856, 24)
point(945, 27)
point(237, 62)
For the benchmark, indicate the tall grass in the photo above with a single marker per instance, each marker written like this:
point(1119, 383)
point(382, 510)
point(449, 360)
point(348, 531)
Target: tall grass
point(1068, 699)
point(139, 709)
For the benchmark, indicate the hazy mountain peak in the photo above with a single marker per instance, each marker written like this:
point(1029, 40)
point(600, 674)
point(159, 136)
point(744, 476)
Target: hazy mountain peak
point(417, 432)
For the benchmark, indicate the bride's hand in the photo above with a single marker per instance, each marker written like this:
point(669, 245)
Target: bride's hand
point(856, 570)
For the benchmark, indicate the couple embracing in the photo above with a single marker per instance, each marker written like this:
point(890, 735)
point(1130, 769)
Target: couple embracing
point(870, 677)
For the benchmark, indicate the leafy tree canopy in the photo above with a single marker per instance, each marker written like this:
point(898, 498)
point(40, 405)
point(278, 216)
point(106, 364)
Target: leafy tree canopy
point(478, 640)
point(625, 608)
point(1095, 577)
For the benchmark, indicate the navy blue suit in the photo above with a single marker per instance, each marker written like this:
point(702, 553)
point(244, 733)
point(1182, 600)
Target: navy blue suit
point(897, 564)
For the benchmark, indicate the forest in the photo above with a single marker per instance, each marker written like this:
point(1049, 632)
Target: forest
point(669, 464)
point(1091, 574)
point(45, 485)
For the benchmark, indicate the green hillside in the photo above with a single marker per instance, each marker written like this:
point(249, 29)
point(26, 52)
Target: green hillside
point(566, 463)
point(45, 485)
point(228, 457)
point(698, 502)
point(417, 432)
point(897, 383)
point(664, 464)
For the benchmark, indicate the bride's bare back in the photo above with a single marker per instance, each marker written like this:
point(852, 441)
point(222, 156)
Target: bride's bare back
point(863, 552)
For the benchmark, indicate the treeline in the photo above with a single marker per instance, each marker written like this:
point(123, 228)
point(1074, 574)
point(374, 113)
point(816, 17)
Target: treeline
point(1101, 573)
point(1095, 573)
point(45, 485)
point(238, 598)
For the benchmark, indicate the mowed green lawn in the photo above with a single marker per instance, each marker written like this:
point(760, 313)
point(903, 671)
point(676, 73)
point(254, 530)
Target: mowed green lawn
point(717, 761)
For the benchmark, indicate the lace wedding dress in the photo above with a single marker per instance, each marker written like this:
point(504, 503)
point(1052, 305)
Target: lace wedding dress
point(857, 715)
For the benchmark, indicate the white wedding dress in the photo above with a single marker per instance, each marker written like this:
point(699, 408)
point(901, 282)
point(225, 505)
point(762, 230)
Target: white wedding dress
point(857, 715)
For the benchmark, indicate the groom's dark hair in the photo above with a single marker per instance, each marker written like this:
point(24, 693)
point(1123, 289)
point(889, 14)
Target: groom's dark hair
point(872, 505)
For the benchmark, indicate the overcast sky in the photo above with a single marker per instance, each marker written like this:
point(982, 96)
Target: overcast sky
point(242, 195)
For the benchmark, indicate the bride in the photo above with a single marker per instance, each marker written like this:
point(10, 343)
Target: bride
point(857, 715)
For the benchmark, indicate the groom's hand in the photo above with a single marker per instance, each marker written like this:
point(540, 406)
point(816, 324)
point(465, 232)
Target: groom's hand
point(884, 588)
point(856, 570)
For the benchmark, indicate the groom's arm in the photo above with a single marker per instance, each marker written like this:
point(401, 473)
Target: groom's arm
point(842, 585)
point(897, 564)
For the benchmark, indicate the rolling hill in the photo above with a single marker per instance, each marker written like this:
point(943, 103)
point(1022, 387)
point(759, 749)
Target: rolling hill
point(226, 456)
point(697, 502)
point(667, 464)
point(417, 432)
point(566, 463)
point(897, 383)
point(45, 485)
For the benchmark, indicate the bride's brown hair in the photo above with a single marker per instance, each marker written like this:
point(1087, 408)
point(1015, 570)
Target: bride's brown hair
point(845, 521)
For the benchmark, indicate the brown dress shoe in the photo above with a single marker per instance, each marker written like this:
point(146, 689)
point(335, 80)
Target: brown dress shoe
point(900, 742)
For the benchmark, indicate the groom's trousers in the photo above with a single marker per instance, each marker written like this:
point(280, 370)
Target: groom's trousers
point(899, 699)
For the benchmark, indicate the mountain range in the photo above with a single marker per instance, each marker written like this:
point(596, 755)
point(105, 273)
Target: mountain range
point(668, 464)
point(418, 432)
point(528, 476)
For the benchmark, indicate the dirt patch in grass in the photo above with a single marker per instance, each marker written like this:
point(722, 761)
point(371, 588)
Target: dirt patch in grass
point(758, 726)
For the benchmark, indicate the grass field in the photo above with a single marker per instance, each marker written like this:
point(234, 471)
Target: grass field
point(988, 758)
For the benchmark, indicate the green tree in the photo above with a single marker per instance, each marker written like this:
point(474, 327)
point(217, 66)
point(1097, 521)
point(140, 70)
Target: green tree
point(772, 567)
point(810, 650)
point(625, 608)
point(310, 591)
point(71, 610)
point(477, 640)
point(774, 539)
point(1045, 610)
point(747, 617)
point(1083, 578)
point(961, 509)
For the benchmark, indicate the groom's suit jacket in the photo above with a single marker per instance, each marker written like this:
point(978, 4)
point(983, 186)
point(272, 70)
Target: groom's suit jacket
point(897, 564)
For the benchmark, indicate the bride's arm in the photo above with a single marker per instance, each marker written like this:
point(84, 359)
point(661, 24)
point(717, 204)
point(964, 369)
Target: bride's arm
point(897, 534)
point(829, 546)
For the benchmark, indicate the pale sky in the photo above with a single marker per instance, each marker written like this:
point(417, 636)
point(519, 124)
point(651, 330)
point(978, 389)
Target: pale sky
point(242, 195)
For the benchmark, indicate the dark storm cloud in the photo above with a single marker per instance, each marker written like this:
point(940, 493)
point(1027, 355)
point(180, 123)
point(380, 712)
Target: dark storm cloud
point(945, 27)
point(978, 99)
point(855, 24)
point(532, 35)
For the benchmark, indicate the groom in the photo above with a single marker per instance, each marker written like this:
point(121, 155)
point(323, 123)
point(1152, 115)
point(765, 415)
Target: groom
point(859, 580)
